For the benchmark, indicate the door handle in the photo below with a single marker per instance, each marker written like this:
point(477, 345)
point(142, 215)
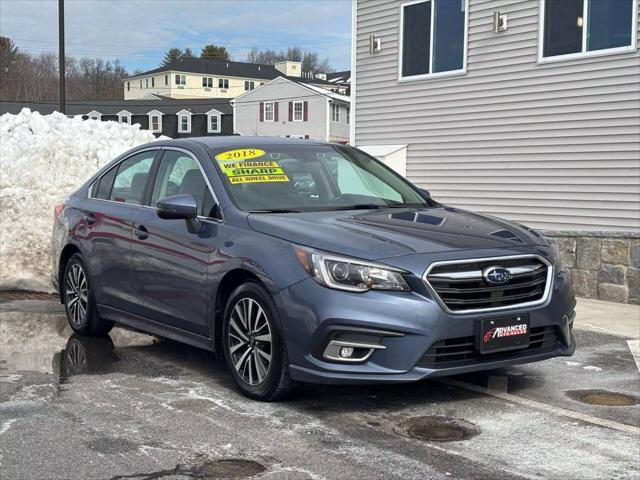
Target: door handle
point(89, 218)
point(141, 232)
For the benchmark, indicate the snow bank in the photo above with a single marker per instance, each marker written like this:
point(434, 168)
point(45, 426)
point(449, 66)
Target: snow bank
point(42, 159)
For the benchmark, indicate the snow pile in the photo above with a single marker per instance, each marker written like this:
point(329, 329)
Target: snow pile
point(42, 159)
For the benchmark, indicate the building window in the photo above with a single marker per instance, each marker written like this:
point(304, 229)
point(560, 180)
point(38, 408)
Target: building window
point(184, 124)
point(207, 82)
point(184, 121)
point(153, 82)
point(94, 115)
point(268, 111)
point(166, 80)
point(140, 83)
point(181, 80)
point(128, 86)
point(249, 85)
point(223, 83)
point(335, 112)
point(124, 117)
point(580, 27)
point(155, 121)
point(213, 122)
point(298, 111)
point(146, 83)
point(434, 37)
point(348, 114)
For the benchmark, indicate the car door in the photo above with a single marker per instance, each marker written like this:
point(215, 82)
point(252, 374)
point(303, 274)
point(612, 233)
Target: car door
point(170, 264)
point(115, 199)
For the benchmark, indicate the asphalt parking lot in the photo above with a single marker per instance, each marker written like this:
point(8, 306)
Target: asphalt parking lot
point(135, 407)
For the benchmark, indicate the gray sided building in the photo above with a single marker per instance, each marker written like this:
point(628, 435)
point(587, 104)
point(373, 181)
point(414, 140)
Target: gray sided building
point(287, 108)
point(524, 109)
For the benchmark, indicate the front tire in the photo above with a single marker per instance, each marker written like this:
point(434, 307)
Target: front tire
point(253, 343)
point(79, 302)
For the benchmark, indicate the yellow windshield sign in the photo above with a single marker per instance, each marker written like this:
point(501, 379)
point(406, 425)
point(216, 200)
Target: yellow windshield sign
point(253, 172)
point(240, 154)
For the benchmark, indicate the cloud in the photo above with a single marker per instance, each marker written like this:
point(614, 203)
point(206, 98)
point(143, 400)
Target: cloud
point(138, 32)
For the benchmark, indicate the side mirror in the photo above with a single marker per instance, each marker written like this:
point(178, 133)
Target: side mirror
point(424, 192)
point(180, 207)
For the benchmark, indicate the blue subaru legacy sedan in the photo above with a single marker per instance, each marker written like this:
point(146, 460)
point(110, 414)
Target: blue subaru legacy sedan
point(304, 261)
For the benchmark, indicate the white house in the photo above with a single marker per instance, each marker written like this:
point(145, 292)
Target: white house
point(285, 107)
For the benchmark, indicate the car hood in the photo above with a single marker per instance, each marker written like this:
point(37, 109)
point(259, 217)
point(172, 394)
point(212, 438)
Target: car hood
point(378, 234)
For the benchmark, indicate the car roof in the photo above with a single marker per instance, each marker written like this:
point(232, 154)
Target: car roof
point(240, 141)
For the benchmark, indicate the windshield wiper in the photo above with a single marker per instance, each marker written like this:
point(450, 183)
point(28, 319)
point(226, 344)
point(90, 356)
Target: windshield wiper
point(275, 210)
point(373, 206)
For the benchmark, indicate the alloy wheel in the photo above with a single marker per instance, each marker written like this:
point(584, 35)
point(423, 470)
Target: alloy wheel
point(249, 341)
point(77, 295)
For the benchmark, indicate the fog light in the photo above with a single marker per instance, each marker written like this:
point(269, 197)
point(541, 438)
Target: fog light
point(346, 352)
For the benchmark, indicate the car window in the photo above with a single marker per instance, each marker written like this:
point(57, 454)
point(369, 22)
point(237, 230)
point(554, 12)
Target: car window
point(102, 186)
point(179, 174)
point(131, 178)
point(354, 180)
point(309, 177)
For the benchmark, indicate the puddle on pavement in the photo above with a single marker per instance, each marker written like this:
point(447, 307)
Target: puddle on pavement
point(437, 429)
point(44, 343)
point(229, 468)
point(602, 398)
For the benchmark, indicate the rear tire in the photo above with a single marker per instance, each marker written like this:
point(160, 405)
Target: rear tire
point(79, 301)
point(253, 343)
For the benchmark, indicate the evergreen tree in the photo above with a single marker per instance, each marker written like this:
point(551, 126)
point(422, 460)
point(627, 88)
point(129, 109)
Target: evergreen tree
point(173, 55)
point(214, 52)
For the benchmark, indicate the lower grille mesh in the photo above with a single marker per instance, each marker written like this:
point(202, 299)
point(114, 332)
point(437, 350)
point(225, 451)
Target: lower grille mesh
point(462, 350)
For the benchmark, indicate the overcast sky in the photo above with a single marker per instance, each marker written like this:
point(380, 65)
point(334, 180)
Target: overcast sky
point(138, 32)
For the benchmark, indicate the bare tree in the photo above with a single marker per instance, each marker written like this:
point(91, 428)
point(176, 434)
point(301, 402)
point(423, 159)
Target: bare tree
point(310, 60)
point(34, 78)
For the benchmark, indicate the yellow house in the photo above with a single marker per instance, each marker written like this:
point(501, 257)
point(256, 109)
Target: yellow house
point(200, 78)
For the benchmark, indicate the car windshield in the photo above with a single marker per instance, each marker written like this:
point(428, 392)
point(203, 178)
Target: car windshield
point(295, 178)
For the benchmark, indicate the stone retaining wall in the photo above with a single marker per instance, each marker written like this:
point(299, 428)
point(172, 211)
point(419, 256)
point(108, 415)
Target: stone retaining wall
point(604, 266)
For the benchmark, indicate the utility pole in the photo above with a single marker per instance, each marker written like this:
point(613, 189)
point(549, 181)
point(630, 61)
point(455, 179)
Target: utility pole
point(61, 54)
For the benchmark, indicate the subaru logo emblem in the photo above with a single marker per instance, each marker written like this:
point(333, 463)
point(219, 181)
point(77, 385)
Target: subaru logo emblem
point(496, 275)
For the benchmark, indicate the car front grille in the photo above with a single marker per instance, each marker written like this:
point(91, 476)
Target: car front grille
point(462, 287)
point(461, 351)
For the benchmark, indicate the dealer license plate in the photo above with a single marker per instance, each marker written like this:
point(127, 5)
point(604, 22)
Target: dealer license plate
point(506, 333)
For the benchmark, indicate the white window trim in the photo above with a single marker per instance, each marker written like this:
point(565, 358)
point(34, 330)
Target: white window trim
point(335, 107)
point(94, 115)
point(223, 80)
point(584, 53)
point(181, 114)
point(301, 103)
point(155, 113)
point(122, 114)
point(179, 84)
point(273, 112)
point(425, 76)
point(214, 113)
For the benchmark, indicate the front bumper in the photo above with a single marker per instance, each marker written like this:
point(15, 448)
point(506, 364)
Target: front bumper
point(311, 313)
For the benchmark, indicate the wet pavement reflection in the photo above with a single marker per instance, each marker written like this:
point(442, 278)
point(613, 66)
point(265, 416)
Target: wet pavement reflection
point(143, 401)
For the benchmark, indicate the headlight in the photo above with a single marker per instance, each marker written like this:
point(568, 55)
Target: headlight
point(556, 260)
point(349, 274)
